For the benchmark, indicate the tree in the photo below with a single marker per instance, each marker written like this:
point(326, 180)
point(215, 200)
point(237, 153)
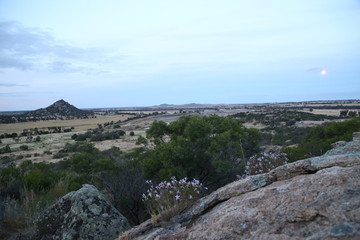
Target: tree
point(206, 148)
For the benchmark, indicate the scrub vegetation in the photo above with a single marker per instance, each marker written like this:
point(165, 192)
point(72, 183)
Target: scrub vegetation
point(203, 152)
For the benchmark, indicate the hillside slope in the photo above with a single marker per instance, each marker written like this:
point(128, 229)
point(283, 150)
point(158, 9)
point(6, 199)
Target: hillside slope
point(60, 110)
point(315, 198)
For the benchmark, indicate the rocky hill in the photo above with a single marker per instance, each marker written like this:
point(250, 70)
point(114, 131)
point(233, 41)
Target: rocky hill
point(60, 110)
point(315, 198)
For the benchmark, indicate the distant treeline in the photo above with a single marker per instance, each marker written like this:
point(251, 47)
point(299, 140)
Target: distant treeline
point(325, 107)
point(277, 117)
point(97, 135)
point(37, 131)
point(21, 118)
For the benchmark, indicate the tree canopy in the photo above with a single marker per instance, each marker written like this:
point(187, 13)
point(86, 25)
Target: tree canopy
point(205, 148)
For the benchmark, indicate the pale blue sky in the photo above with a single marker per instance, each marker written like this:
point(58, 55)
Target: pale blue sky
point(118, 53)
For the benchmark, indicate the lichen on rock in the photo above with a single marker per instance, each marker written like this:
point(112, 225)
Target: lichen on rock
point(82, 214)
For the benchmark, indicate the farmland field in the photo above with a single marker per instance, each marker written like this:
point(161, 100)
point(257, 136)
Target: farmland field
point(137, 121)
point(78, 124)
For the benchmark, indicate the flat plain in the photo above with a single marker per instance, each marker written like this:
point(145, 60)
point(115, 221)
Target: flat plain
point(137, 121)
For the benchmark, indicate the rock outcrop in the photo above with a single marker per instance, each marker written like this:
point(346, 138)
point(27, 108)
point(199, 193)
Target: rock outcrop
point(315, 198)
point(82, 214)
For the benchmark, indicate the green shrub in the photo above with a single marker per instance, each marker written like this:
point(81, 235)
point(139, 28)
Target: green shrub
point(60, 154)
point(205, 148)
point(320, 138)
point(24, 147)
point(5, 149)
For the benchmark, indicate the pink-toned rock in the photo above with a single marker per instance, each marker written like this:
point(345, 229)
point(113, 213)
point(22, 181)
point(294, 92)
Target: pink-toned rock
point(316, 198)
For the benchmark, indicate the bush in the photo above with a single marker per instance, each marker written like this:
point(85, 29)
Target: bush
point(168, 199)
point(5, 149)
point(204, 148)
point(6, 159)
point(265, 162)
point(24, 147)
point(60, 155)
point(126, 185)
point(320, 138)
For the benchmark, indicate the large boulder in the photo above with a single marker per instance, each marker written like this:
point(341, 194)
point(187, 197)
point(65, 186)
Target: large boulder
point(315, 198)
point(82, 214)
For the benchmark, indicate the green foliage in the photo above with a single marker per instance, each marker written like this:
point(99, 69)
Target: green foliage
point(5, 149)
point(277, 116)
point(88, 163)
point(78, 147)
point(205, 148)
point(99, 135)
point(33, 186)
point(126, 185)
point(8, 176)
point(157, 132)
point(142, 141)
point(24, 147)
point(39, 176)
point(320, 138)
point(288, 135)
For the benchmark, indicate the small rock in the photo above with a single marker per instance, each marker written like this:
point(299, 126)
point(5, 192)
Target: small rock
point(338, 144)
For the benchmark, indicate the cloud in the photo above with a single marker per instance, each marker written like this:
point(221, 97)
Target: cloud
point(19, 45)
point(61, 66)
point(24, 48)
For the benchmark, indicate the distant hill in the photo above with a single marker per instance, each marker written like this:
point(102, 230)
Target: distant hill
point(60, 110)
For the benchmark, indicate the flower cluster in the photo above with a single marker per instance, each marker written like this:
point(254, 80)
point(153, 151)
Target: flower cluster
point(168, 199)
point(265, 162)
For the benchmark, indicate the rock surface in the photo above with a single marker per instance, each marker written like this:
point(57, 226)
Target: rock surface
point(315, 198)
point(83, 214)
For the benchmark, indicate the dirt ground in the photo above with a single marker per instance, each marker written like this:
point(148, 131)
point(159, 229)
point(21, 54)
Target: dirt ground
point(329, 112)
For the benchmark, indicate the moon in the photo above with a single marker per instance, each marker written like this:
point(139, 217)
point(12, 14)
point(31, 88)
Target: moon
point(323, 72)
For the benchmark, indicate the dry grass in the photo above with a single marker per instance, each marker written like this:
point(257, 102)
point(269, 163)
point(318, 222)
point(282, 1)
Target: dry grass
point(78, 124)
point(329, 112)
point(55, 142)
point(126, 143)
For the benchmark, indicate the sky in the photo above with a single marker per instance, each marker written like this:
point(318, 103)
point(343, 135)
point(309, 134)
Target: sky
point(123, 53)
